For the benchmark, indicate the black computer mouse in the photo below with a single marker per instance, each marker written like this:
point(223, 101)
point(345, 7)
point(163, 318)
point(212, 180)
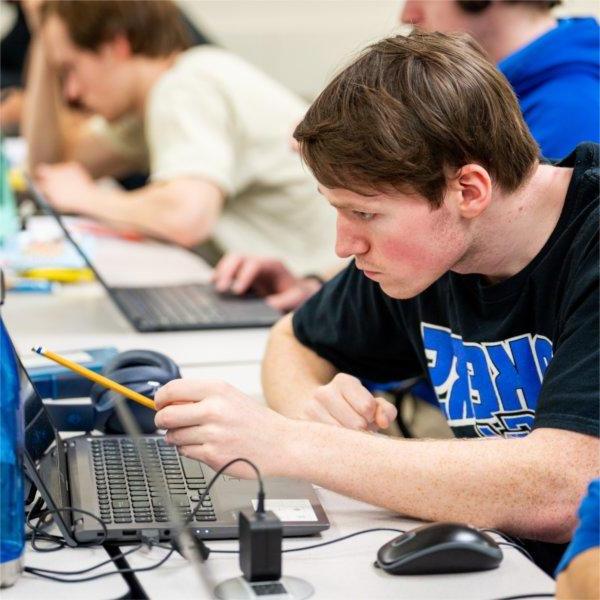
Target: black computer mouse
point(439, 548)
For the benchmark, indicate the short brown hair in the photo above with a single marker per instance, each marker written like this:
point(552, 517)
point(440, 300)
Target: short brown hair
point(409, 110)
point(154, 28)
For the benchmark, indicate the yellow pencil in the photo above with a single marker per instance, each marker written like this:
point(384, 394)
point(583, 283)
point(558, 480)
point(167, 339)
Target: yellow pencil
point(105, 381)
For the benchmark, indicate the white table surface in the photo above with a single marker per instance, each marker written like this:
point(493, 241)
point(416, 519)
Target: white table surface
point(68, 559)
point(339, 571)
point(83, 316)
point(345, 569)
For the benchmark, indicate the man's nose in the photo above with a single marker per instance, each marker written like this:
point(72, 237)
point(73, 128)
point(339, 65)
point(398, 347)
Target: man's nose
point(71, 89)
point(411, 13)
point(349, 242)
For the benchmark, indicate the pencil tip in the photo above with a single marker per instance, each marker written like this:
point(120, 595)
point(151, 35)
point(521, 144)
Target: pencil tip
point(37, 349)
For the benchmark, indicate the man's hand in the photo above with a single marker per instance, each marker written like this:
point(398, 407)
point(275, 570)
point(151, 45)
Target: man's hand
point(67, 186)
point(345, 401)
point(31, 9)
point(267, 277)
point(213, 422)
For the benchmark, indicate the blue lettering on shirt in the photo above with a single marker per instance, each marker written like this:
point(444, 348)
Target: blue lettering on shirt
point(492, 386)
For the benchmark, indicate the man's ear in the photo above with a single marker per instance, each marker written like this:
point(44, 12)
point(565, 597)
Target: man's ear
point(474, 185)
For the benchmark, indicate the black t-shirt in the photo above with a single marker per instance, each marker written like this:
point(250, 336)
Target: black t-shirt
point(503, 359)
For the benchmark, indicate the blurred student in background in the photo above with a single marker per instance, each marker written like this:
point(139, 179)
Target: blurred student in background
point(212, 129)
point(14, 49)
point(552, 64)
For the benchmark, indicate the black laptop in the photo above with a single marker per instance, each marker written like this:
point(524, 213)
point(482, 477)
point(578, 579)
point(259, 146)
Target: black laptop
point(178, 307)
point(109, 477)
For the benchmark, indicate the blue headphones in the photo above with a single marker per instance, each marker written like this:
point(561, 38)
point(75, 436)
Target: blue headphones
point(144, 371)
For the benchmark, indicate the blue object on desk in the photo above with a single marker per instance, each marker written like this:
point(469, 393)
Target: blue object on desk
point(36, 286)
point(12, 519)
point(57, 382)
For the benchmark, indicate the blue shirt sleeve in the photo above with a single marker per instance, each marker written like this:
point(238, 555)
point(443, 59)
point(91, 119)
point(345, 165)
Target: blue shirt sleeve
point(587, 534)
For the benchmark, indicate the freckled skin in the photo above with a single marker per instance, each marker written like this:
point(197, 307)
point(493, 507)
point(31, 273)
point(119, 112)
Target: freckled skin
point(407, 243)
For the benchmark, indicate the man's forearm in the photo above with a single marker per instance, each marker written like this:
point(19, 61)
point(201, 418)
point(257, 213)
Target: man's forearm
point(528, 487)
point(288, 365)
point(162, 211)
point(41, 122)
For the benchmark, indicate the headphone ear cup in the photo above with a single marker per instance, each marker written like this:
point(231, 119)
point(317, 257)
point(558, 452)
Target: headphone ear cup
point(143, 371)
point(143, 416)
point(143, 358)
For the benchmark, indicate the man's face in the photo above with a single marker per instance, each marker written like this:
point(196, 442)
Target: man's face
point(95, 80)
point(437, 15)
point(397, 239)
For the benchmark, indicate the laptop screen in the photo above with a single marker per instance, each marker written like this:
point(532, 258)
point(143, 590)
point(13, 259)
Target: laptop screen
point(40, 435)
point(39, 432)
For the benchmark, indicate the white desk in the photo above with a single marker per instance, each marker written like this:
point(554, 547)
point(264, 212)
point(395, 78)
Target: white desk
point(339, 571)
point(345, 569)
point(84, 316)
point(68, 559)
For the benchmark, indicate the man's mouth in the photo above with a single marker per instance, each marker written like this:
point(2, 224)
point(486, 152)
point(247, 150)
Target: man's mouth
point(369, 273)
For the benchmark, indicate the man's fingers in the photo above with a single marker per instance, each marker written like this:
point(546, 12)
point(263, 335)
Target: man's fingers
point(245, 276)
point(189, 390)
point(385, 413)
point(185, 436)
point(362, 401)
point(288, 300)
point(330, 398)
point(225, 271)
point(178, 415)
point(195, 451)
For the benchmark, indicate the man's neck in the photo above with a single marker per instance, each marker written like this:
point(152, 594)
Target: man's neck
point(515, 227)
point(146, 72)
point(512, 27)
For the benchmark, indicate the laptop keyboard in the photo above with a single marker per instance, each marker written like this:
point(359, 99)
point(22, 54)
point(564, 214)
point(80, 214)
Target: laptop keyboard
point(193, 305)
point(129, 484)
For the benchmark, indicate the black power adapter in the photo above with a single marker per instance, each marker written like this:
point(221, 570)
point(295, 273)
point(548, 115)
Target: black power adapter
point(260, 545)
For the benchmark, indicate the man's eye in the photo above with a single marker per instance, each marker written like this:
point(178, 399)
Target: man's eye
point(363, 216)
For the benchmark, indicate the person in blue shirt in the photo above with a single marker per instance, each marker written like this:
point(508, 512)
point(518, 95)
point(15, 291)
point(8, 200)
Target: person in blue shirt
point(552, 64)
point(578, 573)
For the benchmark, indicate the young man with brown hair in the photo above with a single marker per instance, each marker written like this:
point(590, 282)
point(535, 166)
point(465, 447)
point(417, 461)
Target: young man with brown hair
point(553, 66)
point(473, 263)
point(212, 129)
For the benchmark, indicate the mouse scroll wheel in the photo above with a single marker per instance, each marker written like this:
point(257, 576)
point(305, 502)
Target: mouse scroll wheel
point(403, 539)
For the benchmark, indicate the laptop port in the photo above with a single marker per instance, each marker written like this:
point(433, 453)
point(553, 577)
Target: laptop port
point(130, 533)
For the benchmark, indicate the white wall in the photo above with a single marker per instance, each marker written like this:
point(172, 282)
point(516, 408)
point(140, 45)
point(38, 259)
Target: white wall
point(303, 42)
point(299, 42)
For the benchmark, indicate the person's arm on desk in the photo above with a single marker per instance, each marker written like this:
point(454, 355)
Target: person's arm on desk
point(320, 392)
point(183, 210)
point(528, 487)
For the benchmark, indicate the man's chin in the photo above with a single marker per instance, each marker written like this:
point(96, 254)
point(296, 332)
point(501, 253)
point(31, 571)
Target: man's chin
point(400, 291)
